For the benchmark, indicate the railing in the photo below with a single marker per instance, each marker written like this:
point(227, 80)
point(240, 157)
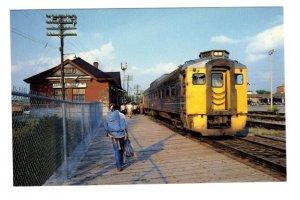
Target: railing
point(49, 136)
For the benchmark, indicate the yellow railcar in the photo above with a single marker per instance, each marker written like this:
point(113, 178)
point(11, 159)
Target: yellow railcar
point(207, 95)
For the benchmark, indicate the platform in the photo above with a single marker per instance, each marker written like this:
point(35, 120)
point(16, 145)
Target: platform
point(163, 157)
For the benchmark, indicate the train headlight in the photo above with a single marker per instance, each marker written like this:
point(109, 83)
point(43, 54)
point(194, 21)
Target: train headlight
point(218, 53)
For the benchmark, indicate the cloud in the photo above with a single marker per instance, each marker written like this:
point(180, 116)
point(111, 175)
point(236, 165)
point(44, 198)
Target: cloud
point(146, 75)
point(16, 68)
point(34, 66)
point(97, 35)
point(223, 39)
point(158, 69)
point(105, 54)
point(26, 68)
point(260, 44)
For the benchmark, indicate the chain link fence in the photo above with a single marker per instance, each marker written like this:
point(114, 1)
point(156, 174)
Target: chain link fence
point(49, 136)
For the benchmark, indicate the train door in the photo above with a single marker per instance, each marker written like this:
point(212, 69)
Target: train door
point(219, 87)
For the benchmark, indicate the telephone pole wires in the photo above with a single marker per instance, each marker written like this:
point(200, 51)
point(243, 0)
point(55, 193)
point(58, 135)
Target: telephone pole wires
point(62, 24)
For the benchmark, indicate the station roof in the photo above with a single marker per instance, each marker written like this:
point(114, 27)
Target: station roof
point(84, 66)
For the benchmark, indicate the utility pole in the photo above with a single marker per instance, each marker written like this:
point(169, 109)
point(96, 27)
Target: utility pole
point(271, 84)
point(137, 87)
point(128, 78)
point(61, 23)
point(124, 67)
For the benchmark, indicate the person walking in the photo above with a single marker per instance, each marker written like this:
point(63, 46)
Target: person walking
point(123, 108)
point(129, 108)
point(116, 128)
point(135, 108)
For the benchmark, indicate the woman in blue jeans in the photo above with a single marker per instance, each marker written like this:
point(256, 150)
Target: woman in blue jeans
point(115, 127)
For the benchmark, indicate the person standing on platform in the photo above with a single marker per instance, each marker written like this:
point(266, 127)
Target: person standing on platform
point(123, 109)
point(135, 108)
point(116, 128)
point(129, 108)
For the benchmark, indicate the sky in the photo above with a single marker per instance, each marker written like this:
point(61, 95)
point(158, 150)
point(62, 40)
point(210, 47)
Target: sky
point(152, 41)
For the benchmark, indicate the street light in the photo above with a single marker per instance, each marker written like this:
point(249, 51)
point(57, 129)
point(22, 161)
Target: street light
point(124, 67)
point(271, 85)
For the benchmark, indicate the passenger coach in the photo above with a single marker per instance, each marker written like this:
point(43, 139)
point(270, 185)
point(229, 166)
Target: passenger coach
point(207, 95)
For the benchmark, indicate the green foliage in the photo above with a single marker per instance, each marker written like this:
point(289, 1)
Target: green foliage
point(274, 109)
point(38, 148)
point(73, 136)
point(262, 92)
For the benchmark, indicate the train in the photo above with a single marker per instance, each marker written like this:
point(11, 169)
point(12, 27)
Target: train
point(207, 95)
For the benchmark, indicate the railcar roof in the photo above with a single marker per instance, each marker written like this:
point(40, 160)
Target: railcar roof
point(200, 63)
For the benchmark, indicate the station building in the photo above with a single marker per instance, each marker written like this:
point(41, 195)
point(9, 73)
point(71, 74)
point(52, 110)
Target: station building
point(278, 97)
point(83, 82)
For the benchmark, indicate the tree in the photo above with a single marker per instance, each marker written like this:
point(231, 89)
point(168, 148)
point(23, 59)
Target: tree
point(262, 92)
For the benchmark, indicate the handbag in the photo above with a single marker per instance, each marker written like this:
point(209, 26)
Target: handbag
point(129, 150)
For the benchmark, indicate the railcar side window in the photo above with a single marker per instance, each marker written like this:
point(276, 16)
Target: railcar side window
point(217, 80)
point(173, 91)
point(198, 79)
point(167, 92)
point(239, 79)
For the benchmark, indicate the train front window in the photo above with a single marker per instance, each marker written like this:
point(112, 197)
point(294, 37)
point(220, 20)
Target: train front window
point(239, 79)
point(198, 79)
point(217, 80)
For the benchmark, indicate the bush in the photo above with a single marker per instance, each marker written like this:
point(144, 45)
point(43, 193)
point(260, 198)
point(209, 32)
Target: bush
point(37, 150)
point(274, 110)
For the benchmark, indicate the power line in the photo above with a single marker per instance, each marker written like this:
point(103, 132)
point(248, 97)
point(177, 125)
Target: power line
point(29, 37)
point(63, 24)
point(81, 50)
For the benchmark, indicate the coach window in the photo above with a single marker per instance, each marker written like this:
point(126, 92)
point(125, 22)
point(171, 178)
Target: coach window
point(173, 91)
point(217, 80)
point(239, 79)
point(198, 79)
point(167, 91)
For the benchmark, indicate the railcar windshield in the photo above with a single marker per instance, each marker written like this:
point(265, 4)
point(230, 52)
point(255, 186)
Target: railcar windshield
point(217, 80)
point(198, 78)
point(239, 79)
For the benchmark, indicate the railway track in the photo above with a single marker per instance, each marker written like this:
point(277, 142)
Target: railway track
point(266, 120)
point(277, 118)
point(265, 152)
point(265, 113)
point(265, 124)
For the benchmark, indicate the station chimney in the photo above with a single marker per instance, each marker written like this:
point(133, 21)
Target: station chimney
point(96, 65)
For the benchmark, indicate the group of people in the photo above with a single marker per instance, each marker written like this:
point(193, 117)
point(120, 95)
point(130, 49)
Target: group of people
point(130, 108)
point(116, 128)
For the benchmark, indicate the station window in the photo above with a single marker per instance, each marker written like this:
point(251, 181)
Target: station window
point(239, 79)
point(57, 93)
point(217, 80)
point(78, 94)
point(198, 78)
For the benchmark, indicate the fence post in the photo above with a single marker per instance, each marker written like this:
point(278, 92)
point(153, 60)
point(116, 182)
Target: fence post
point(65, 141)
point(82, 122)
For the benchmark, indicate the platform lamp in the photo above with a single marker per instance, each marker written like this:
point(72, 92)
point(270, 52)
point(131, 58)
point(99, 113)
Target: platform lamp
point(124, 67)
point(271, 84)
